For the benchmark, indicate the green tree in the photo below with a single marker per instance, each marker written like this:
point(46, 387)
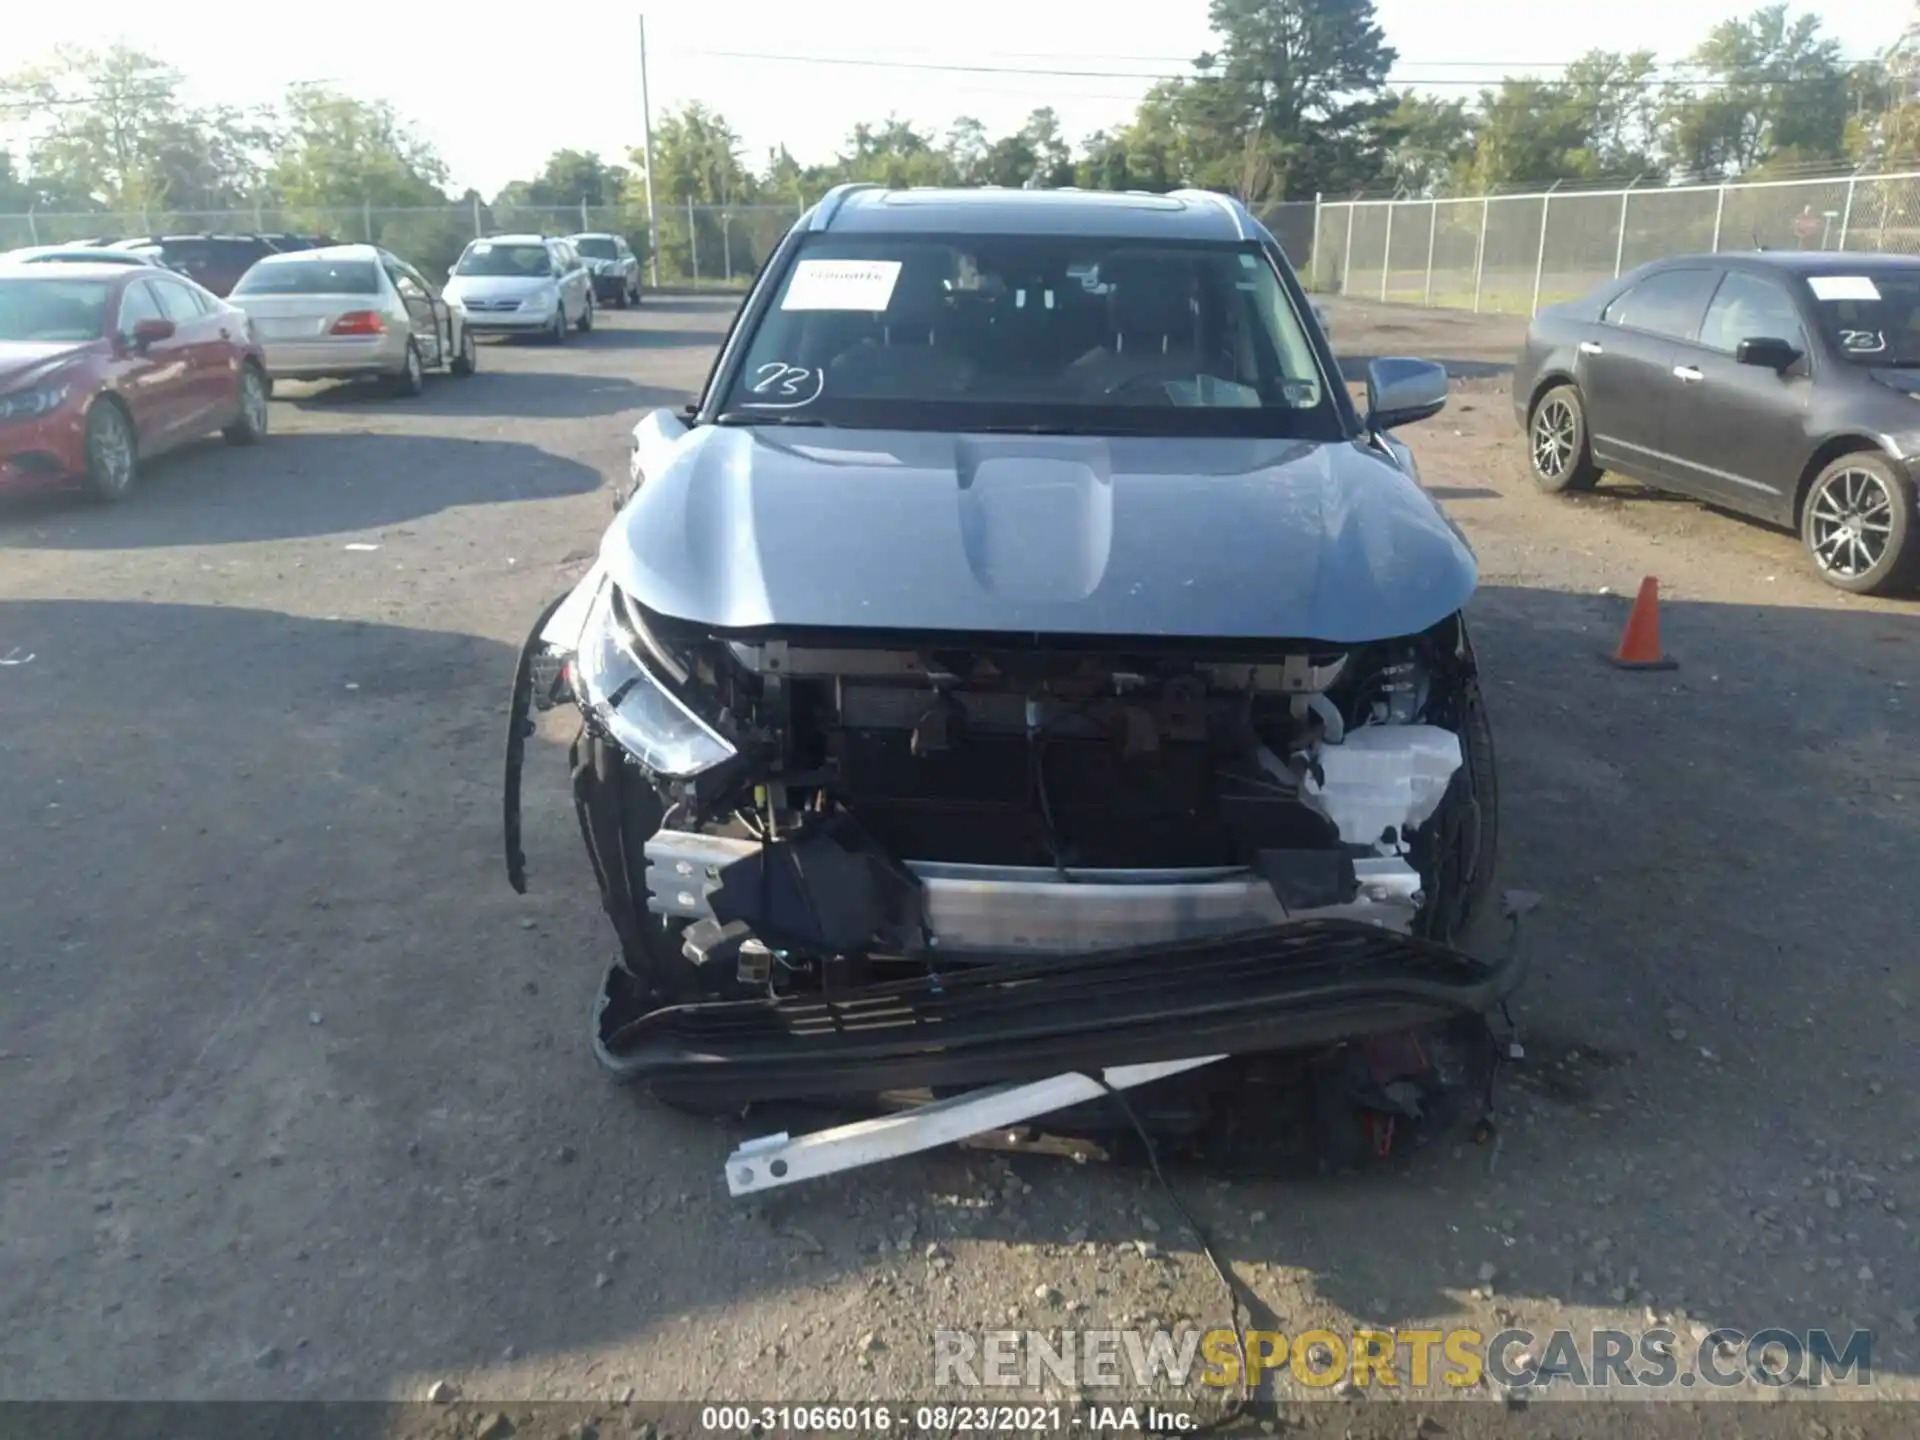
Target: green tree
point(1876, 91)
point(569, 178)
point(1163, 147)
point(893, 153)
point(967, 147)
point(122, 138)
point(1597, 121)
point(1777, 90)
point(1103, 163)
point(1612, 95)
point(1035, 154)
point(1531, 133)
point(787, 181)
point(696, 162)
point(336, 152)
point(17, 193)
point(571, 185)
point(1299, 93)
point(696, 157)
point(355, 169)
point(1429, 143)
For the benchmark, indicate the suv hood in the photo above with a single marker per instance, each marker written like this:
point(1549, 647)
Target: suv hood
point(1905, 379)
point(1069, 535)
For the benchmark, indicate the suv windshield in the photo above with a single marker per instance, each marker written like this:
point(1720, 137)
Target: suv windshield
point(1871, 316)
point(597, 247)
point(487, 257)
point(310, 277)
point(1066, 333)
point(48, 308)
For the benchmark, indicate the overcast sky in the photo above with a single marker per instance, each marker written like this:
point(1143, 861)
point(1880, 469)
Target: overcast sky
point(497, 89)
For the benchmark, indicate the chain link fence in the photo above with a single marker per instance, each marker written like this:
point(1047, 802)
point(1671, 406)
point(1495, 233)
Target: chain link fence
point(1512, 254)
point(1503, 254)
point(703, 246)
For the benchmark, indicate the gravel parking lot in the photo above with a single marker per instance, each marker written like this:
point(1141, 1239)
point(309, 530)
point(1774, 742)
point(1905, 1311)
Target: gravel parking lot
point(299, 1100)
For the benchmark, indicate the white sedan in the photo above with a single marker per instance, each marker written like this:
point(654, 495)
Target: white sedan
point(352, 312)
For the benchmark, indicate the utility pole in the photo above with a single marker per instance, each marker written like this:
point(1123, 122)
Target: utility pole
point(646, 131)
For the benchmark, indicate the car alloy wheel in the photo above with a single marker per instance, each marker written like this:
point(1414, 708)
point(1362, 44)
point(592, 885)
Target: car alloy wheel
point(251, 424)
point(112, 454)
point(253, 399)
point(1850, 522)
point(1556, 438)
point(413, 376)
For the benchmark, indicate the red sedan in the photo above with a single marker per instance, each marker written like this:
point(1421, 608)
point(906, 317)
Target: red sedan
point(104, 366)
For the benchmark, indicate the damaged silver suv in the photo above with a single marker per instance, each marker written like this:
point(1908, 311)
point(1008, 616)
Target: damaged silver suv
point(1024, 658)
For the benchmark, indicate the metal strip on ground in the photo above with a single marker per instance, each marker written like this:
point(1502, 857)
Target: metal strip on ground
point(776, 1160)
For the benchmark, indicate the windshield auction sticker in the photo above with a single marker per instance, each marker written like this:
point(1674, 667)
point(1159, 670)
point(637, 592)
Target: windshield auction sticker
point(842, 285)
point(1843, 287)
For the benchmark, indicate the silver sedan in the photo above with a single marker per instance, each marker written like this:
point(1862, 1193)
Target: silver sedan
point(351, 312)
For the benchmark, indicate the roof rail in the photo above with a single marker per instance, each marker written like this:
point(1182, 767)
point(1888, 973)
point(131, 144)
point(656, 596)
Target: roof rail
point(1235, 211)
point(830, 203)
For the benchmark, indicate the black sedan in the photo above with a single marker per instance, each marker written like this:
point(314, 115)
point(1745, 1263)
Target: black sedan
point(1782, 385)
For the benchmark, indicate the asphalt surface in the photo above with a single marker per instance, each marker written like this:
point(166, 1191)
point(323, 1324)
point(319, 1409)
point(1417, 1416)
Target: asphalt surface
point(298, 1101)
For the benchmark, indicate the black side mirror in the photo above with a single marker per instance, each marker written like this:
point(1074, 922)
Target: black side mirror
point(1768, 353)
point(1403, 391)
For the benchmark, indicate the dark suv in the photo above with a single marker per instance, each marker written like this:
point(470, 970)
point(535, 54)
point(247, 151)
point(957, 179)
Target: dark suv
point(216, 261)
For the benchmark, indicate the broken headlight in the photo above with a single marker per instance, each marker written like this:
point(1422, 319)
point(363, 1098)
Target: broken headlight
point(650, 722)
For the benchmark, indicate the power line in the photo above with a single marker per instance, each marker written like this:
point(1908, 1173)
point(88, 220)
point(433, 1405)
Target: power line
point(48, 102)
point(168, 90)
point(1657, 78)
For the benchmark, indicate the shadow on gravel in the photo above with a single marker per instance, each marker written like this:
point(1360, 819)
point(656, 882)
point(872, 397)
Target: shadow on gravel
point(634, 333)
point(719, 303)
point(520, 395)
point(296, 485)
point(301, 1103)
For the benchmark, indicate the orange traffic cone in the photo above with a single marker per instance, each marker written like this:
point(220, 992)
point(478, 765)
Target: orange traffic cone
point(1640, 641)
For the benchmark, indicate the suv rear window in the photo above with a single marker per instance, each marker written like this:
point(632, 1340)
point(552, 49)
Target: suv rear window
point(311, 277)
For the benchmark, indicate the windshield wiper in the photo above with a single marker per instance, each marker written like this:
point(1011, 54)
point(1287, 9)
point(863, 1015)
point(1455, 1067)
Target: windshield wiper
point(755, 417)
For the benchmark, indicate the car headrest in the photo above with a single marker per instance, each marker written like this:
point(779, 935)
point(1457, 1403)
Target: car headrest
point(919, 298)
point(1149, 297)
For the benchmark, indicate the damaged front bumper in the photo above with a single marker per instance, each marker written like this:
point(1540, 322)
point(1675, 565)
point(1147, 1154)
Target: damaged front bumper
point(937, 975)
point(1300, 984)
